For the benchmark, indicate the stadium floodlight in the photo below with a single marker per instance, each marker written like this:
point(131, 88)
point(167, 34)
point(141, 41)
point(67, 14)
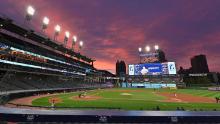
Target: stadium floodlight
point(45, 22)
point(57, 31)
point(30, 12)
point(156, 47)
point(80, 44)
point(147, 48)
point(139, 49)
point(74, 40)
point(67, 35)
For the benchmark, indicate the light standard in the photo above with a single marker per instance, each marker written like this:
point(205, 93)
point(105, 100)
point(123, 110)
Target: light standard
point(67, 35)
point(30, 12)
point(1, 26)
point(57, 31)
point(74, 42)
point(80, 45)
point(45, 23)
point(140, 50)
point(147, 48)
point(156, 47)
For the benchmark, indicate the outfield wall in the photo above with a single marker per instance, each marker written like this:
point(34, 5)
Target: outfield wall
point(147, 85)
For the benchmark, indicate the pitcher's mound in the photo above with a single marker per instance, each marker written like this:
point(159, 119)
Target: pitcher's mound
point(86, 98)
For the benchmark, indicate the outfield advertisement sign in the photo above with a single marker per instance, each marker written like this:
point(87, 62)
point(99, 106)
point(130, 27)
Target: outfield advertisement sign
point(152, 68)
point(171, 67)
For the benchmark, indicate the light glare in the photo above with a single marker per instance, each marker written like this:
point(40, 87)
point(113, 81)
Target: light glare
point(57, 28)
point(74, 38)
point(147, 48)
point(156, 47)
point(46, 20)
point(139, 49)
point(67, 34)
point(30, 10)
point(81, 43)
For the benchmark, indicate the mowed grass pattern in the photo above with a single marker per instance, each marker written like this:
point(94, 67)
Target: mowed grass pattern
point(140, 99)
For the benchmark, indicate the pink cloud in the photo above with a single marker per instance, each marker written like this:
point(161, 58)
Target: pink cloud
point(114, 31)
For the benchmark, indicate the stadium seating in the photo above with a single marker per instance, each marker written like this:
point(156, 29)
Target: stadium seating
point(26, 81)
point(30, 61)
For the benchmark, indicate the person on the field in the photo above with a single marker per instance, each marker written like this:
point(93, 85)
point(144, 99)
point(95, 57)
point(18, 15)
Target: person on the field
point(52, 103)
point(80, 95)
point(217, 99)
point(175, 95)
point(84, 94)
point(157, 108)
point(182, 109)
point(177, 108)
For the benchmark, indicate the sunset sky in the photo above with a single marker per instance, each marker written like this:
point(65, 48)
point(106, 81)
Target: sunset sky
point(114, 29)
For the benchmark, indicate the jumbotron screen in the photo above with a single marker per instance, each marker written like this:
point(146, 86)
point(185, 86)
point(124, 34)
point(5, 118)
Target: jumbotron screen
point(152, 68)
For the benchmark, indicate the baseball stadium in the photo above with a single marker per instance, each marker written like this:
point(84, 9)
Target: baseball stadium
point(126, 99)
point(42, 80)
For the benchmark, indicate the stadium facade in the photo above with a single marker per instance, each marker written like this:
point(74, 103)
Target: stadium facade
point(30, 60)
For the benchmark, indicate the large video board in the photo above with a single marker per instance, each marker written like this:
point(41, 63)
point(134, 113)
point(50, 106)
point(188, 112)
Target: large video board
point(152, 68)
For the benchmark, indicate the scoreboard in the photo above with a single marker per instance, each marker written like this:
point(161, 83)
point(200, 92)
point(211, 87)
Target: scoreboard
point(166, 68)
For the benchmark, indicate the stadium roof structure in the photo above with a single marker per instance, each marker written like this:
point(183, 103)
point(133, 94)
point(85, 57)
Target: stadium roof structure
point(7, 24)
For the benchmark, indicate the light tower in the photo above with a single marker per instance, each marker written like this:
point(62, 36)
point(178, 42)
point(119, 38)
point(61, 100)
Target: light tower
point(140, 50)
point(80, 45)
point(30, 12)
point(45, 23)
point(67, 35)
point(147, 48)
point(57, 31)
point(74, 40)
point(1, 25)
point(156, 47)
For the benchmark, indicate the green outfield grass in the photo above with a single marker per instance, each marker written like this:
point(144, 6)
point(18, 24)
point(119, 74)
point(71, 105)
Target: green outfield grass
point(139, 99)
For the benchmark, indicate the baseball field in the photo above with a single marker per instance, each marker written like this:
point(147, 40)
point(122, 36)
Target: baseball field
point(131, 99)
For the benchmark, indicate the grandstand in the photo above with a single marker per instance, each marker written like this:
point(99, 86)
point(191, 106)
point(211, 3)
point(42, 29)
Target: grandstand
point(29, 60)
